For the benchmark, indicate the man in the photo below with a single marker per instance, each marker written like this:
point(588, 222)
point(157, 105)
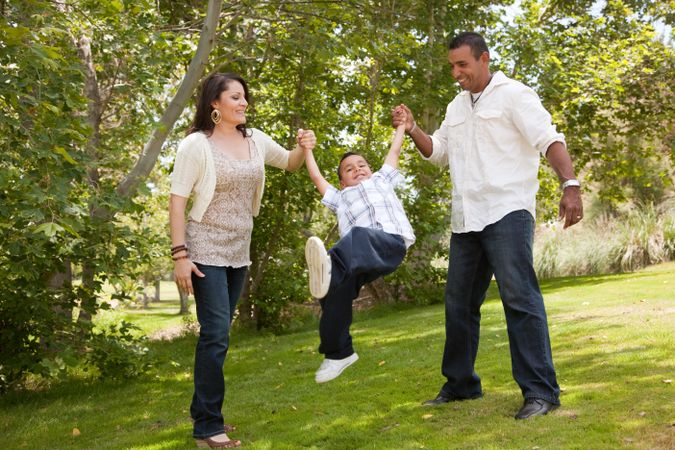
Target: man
point(491, 138)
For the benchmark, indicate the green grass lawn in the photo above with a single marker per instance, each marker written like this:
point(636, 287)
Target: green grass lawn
point(158, 318)
point(612, 340)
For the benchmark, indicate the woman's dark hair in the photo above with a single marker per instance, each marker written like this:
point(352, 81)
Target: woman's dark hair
point(474, 40)
point(211, 89)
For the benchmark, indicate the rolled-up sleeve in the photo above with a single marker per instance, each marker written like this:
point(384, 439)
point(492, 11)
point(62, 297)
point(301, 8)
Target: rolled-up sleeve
point(534, 122)
point(391, 175)
point(331, 198)
point(439, 142)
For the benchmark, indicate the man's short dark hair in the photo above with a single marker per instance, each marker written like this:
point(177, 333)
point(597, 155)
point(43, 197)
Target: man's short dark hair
point(345, 156)
point(474, 40)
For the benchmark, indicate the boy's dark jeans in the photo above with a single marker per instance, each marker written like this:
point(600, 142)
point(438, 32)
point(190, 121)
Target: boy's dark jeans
point(361, 256)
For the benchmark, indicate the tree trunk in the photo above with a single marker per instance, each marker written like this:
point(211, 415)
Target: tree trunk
point(148, 157)
point(157, 286)
point(145, 296)
point(374, 78)
point(184, 306)
point(194, 73)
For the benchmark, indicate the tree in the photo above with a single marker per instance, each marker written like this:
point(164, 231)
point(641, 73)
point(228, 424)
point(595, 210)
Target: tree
point(68, 137)
point(606, 78)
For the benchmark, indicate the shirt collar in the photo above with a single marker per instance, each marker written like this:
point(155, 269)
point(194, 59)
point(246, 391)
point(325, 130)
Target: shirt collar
point(498, 78)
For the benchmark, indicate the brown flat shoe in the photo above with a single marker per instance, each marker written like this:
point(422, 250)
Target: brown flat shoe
point(211, 443)
point(226, 428)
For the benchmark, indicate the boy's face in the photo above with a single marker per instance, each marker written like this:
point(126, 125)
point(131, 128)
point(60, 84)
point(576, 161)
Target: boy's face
point(353, 170)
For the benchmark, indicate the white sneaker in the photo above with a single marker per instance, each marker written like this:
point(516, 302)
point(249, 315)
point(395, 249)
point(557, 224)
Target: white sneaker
point(332, 368)
point(319, 265)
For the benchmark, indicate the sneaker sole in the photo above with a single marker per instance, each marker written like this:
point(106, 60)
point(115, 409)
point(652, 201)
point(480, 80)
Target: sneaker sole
point(356, 358)
point(315, 254)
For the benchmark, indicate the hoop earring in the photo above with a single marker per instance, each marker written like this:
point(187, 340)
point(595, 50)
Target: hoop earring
point(215, 116)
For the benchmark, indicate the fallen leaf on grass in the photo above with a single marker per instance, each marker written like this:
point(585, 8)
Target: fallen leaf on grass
point(382, 363)
point(427, 416)
point(389, 427)
point(667, 381)
point(76, 432)
point(642, 414)
point(294, 408)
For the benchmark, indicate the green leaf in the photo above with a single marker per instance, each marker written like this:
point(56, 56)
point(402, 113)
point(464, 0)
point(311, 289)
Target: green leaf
point(62, 151)
point(48, 228)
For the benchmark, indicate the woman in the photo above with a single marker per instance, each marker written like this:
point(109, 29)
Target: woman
point(221, 163)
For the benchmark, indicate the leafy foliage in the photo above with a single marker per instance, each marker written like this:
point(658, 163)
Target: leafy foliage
point(62, 155)
point(117, 353)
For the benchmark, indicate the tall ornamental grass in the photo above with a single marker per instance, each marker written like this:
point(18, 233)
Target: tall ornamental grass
point(638, 238)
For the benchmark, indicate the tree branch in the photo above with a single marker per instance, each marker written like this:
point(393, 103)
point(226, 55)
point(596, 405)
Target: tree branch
point(190, 81)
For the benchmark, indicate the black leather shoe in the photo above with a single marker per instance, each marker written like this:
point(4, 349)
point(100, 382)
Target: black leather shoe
point(442, 398)
point(535, 407)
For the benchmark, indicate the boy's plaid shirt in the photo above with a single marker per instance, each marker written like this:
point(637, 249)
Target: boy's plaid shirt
point(371, 204)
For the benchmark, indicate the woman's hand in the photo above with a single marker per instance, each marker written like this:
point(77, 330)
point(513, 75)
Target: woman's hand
point(182, 271)
point(306, 139)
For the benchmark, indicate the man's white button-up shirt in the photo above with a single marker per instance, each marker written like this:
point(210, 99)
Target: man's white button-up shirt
point(493, 151)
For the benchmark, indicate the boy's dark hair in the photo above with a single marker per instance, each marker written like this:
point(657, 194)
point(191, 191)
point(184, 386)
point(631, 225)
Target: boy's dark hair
point(345, 156)
point(474, 40)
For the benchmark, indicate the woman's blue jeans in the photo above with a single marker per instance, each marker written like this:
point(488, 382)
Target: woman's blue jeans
point(216, 297)
point(505, 249)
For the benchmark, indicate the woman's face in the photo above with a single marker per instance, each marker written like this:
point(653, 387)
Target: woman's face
point(232, 104)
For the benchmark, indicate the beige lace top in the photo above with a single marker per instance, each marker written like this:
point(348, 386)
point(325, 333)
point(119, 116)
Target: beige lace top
point(223, 237)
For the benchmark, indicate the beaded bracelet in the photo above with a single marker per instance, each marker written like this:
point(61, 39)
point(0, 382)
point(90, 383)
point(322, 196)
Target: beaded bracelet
point(176, 258)
point(178, 249)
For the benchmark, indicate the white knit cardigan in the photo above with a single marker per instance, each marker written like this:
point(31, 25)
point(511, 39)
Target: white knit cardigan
point(195, 173)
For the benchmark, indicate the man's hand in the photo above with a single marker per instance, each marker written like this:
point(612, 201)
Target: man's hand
point(401, 114)
point(571, 207)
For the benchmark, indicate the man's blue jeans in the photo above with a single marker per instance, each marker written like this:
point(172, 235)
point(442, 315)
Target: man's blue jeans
point(216, 298)
point(361, 256)
point(505, 249)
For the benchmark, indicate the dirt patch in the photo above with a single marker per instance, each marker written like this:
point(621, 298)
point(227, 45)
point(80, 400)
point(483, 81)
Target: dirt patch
point(168, 334)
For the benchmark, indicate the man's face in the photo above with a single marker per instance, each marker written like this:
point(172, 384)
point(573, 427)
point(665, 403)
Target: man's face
point(353, 170)
point(472, 74)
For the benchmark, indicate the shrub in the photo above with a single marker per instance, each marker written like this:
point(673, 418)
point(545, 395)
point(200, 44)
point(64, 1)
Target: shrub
point(609, 244)
point(117, 353)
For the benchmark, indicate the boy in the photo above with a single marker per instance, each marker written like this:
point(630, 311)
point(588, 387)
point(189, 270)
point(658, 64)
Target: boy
point(374, 236)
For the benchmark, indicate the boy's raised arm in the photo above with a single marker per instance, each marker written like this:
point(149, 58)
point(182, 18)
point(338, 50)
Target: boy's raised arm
point(314, 172)
point(395, 149)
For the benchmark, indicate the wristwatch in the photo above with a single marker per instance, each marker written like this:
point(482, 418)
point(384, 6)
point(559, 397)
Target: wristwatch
point(571, 182)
